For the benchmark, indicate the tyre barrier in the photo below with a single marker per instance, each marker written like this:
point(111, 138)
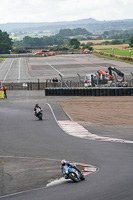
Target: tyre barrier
point(89, 91)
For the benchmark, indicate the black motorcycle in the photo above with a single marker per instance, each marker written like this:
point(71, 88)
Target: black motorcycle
point(39, 114)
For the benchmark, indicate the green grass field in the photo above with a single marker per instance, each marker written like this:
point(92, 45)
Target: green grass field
point(1, 59)
point(119, 52)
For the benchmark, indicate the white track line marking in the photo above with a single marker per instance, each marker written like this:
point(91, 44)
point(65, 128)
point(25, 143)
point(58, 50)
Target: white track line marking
point(19, 71)
point(3, 63)
point(54, 68)
point(75, 129)
point(8, 70)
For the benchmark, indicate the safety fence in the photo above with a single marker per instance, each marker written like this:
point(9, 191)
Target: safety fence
point(59, 87)
point(39, 85)
point(30, 85)
point(45, 54)
point(89, 91)
point(127, 58)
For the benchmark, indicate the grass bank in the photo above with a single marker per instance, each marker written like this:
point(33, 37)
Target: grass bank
point(119, 52)
point(114, 57)
point(1, 59)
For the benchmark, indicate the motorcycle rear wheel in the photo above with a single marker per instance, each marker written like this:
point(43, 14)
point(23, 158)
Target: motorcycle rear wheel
point(40, 117)
point(82, 177)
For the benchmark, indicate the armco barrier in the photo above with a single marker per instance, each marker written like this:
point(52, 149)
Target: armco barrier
point(89, 91)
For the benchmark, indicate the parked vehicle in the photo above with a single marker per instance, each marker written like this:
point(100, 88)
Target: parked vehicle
point(118, 72)
point(105, 78)
point(91, 80)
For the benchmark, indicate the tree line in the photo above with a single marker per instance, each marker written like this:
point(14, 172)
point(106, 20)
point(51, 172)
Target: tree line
point(5, 43)
point(62, 39)
point(118, 34)
point(74, 32)
point(40, 42)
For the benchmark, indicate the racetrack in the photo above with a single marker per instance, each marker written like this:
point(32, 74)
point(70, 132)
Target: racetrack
point(22, 135)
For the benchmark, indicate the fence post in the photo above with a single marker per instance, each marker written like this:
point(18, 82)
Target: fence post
point(27, 85)
point(38, 84)
point(12, 85)
point(30, 85)
point(79, 80)
point(61, 80)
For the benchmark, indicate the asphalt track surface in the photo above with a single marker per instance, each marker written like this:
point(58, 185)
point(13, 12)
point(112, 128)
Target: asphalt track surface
point(14, 70)
point(22, 135)
point(34, 68)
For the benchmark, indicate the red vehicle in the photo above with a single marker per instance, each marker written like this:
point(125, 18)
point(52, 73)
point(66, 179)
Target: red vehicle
point(86, 51)
point(40, 53)
point(51, 53)
point(104, 74)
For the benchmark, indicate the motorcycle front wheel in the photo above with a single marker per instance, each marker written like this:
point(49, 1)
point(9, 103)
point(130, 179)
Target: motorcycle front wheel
point(73, 176)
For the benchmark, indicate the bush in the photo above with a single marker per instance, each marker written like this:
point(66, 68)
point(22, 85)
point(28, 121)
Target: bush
point(74, 43)
point(131, 42)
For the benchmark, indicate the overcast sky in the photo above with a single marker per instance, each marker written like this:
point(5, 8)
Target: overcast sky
point(64, 10)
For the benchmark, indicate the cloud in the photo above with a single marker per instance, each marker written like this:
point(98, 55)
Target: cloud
point(64, 10)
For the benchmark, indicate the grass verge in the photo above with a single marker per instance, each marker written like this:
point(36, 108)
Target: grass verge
point(1, 59)
point(112, 58)
point(119, 52)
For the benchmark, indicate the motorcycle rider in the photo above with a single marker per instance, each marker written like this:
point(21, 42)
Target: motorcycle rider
point(64, 163)
point(37, 109)
point(4, 88)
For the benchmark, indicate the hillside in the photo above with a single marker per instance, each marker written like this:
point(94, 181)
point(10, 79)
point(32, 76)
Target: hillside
point(89, 24)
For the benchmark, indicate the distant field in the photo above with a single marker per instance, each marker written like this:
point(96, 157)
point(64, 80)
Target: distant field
point(119, 52)
point(93, 41)
point(120, 46)
point(98, 47)
point(33, 35)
